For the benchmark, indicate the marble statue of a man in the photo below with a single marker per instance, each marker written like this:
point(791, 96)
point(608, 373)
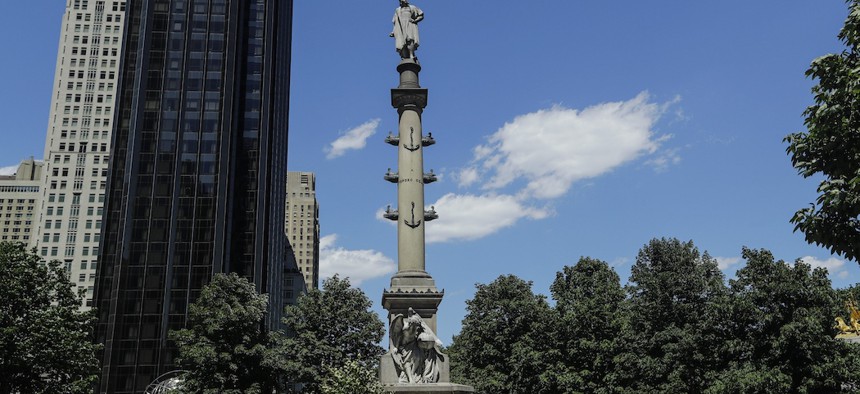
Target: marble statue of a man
point(405, 33)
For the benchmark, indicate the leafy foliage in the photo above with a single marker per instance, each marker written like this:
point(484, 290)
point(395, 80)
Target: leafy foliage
point(589, 303)
point(226, 348)
point(503, 347)
point(673, 291)
point(352, 378)
point(331, 327)
point(45, 340)
point(678, 329)
point(780, 336)
point(831, 146)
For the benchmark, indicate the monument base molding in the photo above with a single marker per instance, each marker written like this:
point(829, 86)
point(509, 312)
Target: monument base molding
point(436, 388)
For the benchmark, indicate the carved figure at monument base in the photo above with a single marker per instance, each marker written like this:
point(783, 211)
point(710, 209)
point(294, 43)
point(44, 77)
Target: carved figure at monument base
point(416, 353)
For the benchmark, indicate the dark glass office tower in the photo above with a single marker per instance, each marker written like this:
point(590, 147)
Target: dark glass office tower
point(197, 174)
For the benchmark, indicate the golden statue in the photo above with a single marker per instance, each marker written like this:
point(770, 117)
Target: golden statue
point(852, 329)
point(843, 328)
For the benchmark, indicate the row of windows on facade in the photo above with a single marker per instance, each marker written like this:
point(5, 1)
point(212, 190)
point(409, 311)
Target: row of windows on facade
point(88, 17)
point(81, 159)
point(84, 134)
point(85, 28)
point(94, 51)
point(88, 97)
point(17, 208)
point(78, 185)
point(19, 189)
point(91, 86)
point(92, 63)
point(82, 147)
point(75, 210)
point(71, 237)
point(7, 228)
point(86, 123)
point(17, 200)
point(76, 199)
point(303, 214)
point(301, 194)
point(95, 40)
point(301, 245)
point(79, 171)
point(92, 265)
point(29, 215)
point(115, 5)
point(70, 251)
point(73, 224)
point(15, 238)
point(218, 7)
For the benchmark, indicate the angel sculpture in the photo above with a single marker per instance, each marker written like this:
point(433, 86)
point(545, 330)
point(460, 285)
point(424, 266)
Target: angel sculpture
point(416, 351)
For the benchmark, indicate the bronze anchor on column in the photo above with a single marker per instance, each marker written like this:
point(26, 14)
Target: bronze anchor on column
point(412, 224)
point(412, 147)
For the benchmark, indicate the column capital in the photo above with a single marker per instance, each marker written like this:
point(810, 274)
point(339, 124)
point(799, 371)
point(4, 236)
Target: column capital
point(402, 99)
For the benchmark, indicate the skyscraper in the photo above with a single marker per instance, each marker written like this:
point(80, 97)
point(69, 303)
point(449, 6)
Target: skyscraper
point(197, 173)
point(303, 224)
point(79, 133)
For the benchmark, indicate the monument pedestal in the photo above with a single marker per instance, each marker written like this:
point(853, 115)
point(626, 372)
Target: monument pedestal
point(855, 339)
point(438, 388)
point(416, 290)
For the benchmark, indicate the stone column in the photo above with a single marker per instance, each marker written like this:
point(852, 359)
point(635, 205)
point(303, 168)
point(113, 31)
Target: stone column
point(411, 287)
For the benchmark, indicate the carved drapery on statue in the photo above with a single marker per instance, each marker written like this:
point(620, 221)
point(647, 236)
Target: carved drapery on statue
point(405, 33)
point(416, 353)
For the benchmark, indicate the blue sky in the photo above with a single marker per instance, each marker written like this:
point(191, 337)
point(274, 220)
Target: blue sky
point(564, 129)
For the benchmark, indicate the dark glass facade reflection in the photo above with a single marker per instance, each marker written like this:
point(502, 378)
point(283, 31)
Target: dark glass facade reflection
point(197, 175)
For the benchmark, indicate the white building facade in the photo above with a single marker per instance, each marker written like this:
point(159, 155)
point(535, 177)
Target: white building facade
point(302, 225)
point(78, 138)
point(19, 203)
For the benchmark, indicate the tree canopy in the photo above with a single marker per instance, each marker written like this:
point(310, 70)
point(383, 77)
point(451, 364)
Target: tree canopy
point(675, 328)
point(327, 329)
point(830, 147)
point(780, 331)
point(45, 340)
point(589, 301)
point(225, 347)
point(673, 291)
point(503, 346)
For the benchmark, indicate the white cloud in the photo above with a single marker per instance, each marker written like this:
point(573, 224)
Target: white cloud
point(552, 148)
point(468, 217)
point(10, 170)
point(357, 265)
point(352, 139)
point(467, 176)
point(724, 263)
point(834, 266)
point(663, 159)
point(620, 262)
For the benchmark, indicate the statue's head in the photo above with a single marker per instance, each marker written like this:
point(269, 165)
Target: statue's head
point(404, 3)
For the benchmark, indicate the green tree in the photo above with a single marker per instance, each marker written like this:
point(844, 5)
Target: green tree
point(781, 335)
point(673, 293)
point(225, 347)
point(504, 345)
point(589, 302)
point(352, 378)
point(45, 340)
point(831, 146)
point(327, 329)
